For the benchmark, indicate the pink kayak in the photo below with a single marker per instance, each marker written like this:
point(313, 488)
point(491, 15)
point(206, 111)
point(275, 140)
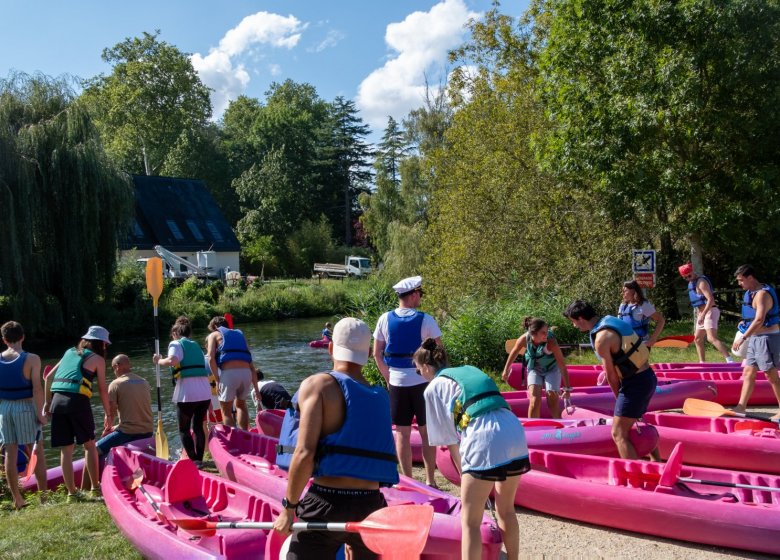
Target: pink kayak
point(644, 497)
point(591, 436)
point(321, 343)
point(54, 474)
point(668, 394)
point(182, 492)
point(269, 422)
point(249, 458)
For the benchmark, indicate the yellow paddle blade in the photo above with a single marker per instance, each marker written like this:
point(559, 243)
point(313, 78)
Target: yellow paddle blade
point(161, 441)
point(154, 278)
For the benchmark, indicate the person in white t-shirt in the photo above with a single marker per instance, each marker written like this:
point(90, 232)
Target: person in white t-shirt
point(398, 334)
point(637, 311)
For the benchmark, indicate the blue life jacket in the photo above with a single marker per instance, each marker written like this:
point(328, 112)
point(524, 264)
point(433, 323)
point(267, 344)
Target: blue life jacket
point(71, 377)
point(748, 313)
point(362, 448)
point(697, 299)
point(13, 385)
point(479, 394)
point(233, 347)
point(626, 313)
point(632, 353)
point(404, 338)
point(536, 357)
point(326, 334)
point(194, 362)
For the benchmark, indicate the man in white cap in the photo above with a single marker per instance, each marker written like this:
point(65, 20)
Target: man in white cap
point(398, 334)
point(350, 455)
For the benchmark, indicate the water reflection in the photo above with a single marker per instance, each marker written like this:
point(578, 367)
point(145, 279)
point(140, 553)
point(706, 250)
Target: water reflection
point(280, 349)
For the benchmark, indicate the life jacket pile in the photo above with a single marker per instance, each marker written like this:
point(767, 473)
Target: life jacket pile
point(404, 338)
point(632, 354)
point(479, 395)
point(697, 299)
point(363, 448)
point(749, 314)
point(15, 386)
point(71, 377)
point(626, 313)
point(535, 356)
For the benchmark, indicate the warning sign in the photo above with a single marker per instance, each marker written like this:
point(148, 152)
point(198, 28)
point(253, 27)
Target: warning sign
point(645, 279)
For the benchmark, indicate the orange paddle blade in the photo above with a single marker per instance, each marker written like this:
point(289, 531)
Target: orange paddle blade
point(671, 343)
point(509, 344)
point(699, 407)
point(154, 278)
point(31, 464)
point(396, 532)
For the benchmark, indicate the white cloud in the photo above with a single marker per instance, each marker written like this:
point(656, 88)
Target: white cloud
point(227, 76)
point(332, 39)
point(421, 43)
point(274, 69)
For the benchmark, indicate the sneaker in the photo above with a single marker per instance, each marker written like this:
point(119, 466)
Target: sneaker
point(79, 496)
point(95, 495)
point(729, 360)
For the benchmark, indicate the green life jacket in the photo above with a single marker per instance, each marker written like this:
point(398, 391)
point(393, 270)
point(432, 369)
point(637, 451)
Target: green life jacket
point(479, 394)
point(194, 362)
point(71, 377)
point(535, 355)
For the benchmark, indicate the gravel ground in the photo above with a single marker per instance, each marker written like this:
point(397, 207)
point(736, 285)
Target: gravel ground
point(544, 537)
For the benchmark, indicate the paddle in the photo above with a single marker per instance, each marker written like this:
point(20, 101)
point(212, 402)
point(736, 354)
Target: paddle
point(33, 459)
point(670, 475)
point(138, 477)
point(154, 285)
point(393, 532)
point(670, 343)
point(698, 407)
point(229, 319)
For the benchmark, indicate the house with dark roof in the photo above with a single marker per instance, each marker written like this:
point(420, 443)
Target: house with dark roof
point(181, 216)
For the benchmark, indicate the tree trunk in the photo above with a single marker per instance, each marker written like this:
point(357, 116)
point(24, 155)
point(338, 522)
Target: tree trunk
point(665, 296)
point(697, 254)
point(347, 216)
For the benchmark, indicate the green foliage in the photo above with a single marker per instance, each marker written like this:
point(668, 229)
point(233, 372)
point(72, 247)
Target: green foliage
point(151, 97)
point(312, 243)
point(64, 206)
point(260, 252)
point(669, 111)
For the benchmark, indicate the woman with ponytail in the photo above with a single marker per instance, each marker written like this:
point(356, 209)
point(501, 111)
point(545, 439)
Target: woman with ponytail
point(546, 366)
point(466, 412)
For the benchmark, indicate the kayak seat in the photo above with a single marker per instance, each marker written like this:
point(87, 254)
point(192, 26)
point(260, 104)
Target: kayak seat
point(183, 482)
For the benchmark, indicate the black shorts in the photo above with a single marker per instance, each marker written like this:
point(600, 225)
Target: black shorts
point(333, 505)
point(406, 403)
point(71, 419)
point(635, 393)
point(499, 474)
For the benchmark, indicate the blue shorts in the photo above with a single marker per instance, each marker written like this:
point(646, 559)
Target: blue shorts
point(550, 379)
point(117, 438)
point(635, 394)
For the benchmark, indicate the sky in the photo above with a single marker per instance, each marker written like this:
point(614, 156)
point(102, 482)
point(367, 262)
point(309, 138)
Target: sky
point(378, 53)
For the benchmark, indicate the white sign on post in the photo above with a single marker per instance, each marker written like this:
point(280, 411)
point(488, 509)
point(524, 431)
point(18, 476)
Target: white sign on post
point(643, 260)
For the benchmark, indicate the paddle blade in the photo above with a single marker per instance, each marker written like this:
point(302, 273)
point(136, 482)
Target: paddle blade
point(699, 407)
point(47, 371)
point(154, 278)
point(509, 344)
point(229, 319)
point(30, 464)
point(196, 526)
point(397, 531)
point(671, 343)
point(161, 440)
point(672, 468)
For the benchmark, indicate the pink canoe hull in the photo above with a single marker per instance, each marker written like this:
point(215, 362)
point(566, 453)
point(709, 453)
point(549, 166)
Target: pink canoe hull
point(54, 474)
point(586, 436)
point(249, 458)
point(181, 490)
point(667, 395)
point(621, 494)
point(322, 343)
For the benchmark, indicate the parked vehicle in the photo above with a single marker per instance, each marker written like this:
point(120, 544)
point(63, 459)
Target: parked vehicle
point(354, 266)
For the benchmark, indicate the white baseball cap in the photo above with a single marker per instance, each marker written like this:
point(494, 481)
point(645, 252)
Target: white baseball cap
point(408, 285)
point(351, 341)
point(96, 332)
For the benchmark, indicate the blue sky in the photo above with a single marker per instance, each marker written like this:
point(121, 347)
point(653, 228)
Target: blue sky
point(377, 53)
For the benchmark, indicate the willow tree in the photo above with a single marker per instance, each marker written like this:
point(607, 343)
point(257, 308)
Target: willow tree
point(64, 205)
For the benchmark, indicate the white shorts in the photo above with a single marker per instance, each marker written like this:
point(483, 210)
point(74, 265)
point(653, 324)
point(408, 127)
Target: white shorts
point(234, 384)
point(710, 319)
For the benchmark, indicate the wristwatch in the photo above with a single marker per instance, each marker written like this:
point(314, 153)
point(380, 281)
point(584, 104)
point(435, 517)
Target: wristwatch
point(287, 504)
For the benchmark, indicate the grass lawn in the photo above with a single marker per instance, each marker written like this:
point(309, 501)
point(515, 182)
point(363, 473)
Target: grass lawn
point(60, 530)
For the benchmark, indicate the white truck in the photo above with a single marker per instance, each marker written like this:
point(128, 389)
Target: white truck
point(354, 266)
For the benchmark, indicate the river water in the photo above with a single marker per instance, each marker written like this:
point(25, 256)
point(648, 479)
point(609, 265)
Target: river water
point(279, 348)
